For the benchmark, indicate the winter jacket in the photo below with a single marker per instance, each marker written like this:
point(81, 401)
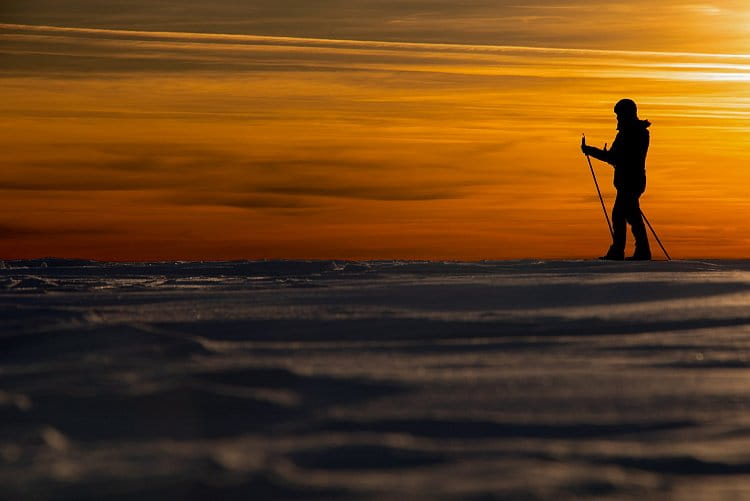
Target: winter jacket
point(627, 155)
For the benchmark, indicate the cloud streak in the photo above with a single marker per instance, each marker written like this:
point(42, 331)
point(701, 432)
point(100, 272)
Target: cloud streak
point(81, 49)
point(193, 176)
point(12, 231)
point(610, 24)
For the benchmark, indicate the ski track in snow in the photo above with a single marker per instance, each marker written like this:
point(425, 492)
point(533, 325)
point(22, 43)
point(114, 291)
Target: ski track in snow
point(381, 380)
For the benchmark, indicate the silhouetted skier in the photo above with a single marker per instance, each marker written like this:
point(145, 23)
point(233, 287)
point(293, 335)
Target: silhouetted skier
point(628, 156)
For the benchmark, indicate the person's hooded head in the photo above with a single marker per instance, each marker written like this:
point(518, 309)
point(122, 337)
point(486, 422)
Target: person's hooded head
point(627, 114)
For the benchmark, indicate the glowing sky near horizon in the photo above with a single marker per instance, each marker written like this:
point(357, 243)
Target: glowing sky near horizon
point(364, 129)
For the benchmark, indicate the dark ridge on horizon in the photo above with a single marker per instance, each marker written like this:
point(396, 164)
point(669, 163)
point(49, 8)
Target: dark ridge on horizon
point(72, 261)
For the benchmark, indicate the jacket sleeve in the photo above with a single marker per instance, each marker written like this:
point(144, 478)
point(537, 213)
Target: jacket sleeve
point(599, 154)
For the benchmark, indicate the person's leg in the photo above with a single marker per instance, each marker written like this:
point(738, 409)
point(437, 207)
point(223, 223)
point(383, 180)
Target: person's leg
point(619, 228)
point(635, 219)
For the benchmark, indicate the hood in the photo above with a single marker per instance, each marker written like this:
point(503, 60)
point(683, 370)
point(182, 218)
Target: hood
point(634, 124)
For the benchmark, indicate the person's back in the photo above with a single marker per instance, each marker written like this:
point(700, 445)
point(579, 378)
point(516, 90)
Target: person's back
point(628, 155)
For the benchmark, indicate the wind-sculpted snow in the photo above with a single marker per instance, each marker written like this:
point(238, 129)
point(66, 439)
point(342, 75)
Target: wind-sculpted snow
point(382, 379)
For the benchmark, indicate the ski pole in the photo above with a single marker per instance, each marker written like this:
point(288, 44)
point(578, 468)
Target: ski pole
point(656, 236)
point(611, 233)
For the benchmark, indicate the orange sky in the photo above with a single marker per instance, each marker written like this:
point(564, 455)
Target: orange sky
point(144, 141)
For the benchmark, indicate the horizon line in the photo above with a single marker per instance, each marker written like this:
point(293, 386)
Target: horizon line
point(354, 260)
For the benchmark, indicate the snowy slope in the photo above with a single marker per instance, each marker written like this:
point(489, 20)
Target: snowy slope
point(387, 379)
